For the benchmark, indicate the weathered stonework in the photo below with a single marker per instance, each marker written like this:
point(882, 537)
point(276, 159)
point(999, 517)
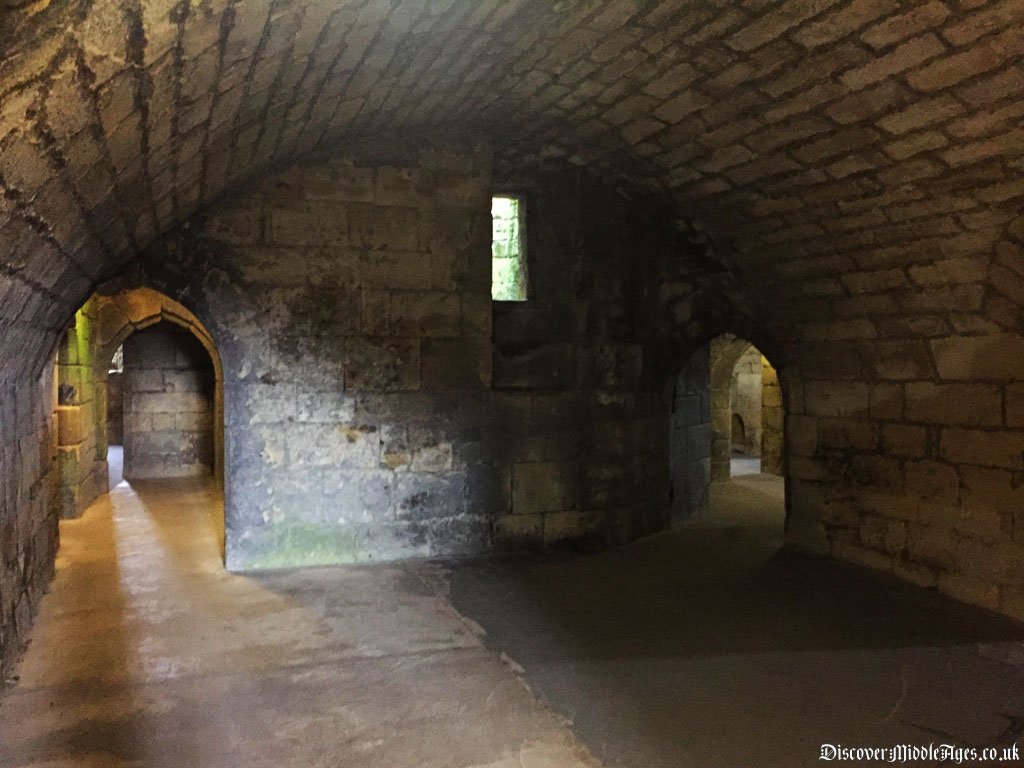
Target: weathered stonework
point(82, 470)
point(363, 419)
point(29, 495)
point(772, 421)
point(690, 437)
point(168, 392)
point(854, 169)
point(746, 403)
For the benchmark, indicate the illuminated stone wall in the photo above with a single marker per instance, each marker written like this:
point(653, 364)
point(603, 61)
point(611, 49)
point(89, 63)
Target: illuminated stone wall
point(168, 393)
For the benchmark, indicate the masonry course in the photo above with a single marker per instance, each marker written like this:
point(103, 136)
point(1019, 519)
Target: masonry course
point(818, 176)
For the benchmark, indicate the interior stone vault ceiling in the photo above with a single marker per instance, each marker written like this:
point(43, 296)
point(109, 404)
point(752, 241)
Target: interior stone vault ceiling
point(807, 138)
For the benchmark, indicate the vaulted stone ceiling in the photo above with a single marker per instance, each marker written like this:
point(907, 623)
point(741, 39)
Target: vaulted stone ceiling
point(857, 158)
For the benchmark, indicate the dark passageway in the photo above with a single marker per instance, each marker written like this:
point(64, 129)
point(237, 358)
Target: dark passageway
point(710, 647)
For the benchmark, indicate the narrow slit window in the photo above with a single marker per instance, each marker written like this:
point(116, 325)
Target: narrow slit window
point(508, 249)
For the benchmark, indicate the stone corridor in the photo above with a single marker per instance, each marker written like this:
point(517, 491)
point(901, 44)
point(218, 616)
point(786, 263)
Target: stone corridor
point(147, 653)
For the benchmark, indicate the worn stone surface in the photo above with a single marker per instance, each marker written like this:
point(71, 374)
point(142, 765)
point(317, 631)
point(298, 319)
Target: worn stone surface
point(372, 413)
point(712, 626)
point(746, 399)
point(31, 505)
point(772, 421)
point(169, 387)
point(690, 437)
point(80, 466)
point(848, 176)
point(145, 652)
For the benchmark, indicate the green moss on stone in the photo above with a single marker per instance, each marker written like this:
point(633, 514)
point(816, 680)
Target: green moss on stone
point(302, 545)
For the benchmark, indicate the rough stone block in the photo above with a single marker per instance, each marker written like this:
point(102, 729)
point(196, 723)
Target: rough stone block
point(309, 225)
point(321, 407)
point(434, 458)
point(543, 487)
point(396, 270)
point(998, 490)
point(883, 534)
point(1015, 405)
point(983, 448)
point(425, 314)
point(236, 226)
point(996, 357)
point(456, 364)
point(346, 446)
point(827, 398)
point(519, 532)
point(847, 434)
point(976, 405)
point(569, 526)
point(337, 181)
point(382, 365)
point(390, 229)
point(72, 424)
point(430, 496)
point(904, 440)
point(932, 480)
point(551, 366)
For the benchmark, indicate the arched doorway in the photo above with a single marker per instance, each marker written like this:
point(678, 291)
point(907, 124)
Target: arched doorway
point(165, 394)
point(726, 433)
point(167, 381)
point(746, 410)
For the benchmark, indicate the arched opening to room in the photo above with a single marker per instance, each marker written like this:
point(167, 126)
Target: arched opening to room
point(726, 436)
point(166, 398)
point(140, 396)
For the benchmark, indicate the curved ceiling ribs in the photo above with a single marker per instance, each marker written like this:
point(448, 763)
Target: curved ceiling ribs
point(827, 145)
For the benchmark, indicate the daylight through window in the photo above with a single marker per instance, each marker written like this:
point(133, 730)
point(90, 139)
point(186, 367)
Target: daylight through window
point(508, 254)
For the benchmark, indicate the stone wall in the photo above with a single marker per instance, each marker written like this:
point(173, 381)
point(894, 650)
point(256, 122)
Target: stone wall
point(904, 447)
point(586, 434)
point(745, 401)
point(918, 471)
point(370, 416)
point(29, 505)
point(351, 307)
point(724, 353)
point(772, 421)
point(858, 164)
point(690, 437)
point(115, 409)
point(168, 395)
point(82, 465)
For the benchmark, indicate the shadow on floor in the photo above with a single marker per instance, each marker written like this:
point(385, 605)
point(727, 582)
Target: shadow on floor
point(668, 651)
point(719, 583)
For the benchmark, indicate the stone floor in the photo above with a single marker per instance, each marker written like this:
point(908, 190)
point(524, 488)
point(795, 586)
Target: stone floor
point(705, 646)
point(147, 653)
point(709, 647)
point(744, 465)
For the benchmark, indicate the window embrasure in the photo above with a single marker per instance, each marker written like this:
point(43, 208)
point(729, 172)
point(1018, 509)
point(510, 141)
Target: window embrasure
point(508, 249)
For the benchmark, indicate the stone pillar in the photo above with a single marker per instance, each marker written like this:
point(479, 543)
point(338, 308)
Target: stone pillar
point(81, 473)
point(690, 451)
point(772, 416)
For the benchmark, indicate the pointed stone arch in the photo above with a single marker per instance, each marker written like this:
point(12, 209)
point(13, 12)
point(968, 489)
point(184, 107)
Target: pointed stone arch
point(126, 312)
